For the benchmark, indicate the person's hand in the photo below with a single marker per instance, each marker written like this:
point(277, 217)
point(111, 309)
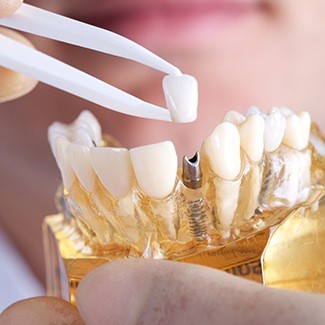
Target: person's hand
point(164, 292)
point(13, 84)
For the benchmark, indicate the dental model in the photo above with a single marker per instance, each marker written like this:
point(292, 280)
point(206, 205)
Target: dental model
point(139, 199)
point(249, 202)
point(181, 91)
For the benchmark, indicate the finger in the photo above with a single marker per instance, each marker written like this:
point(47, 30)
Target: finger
point(8, 7)
point(43, 310)
point(164, 292)
point(14, 84)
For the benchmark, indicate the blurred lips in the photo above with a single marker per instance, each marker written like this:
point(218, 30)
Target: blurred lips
point(153, 22)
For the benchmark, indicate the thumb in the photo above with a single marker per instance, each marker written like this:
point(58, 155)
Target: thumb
point(165, 292)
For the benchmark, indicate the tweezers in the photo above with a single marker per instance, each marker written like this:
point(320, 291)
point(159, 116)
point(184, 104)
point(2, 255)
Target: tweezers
point(26, 60)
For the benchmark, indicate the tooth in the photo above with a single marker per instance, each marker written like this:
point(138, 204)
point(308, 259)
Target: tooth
point(234, 117)
point(87, 120)
point(80, 162)
point(82, 136)
point(275, 125)
point(305, 125)
point(155, 168)
point(251, 136)
point(226, 201)
point(55, 131)
point(254, 110)
point(68, 175)
point(297, 131)
point(284, 110)
point(114, 169)
point(222, 148)
point(181, 94)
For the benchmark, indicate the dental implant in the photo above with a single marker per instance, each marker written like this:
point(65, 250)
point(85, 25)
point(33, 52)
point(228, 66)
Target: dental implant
point(195, 197)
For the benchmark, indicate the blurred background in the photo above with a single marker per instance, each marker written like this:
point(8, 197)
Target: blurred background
point(243, 52)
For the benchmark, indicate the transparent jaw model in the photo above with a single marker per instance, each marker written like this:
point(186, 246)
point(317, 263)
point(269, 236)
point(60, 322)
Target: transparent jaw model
point(267, 224)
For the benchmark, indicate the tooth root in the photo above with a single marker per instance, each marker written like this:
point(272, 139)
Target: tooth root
point(226, 201)
point(120, 213)
point(125, 211)
point(297, 131)
point(87, 120)
point(165, 215)
point(114, 169)
point(234, 117)
point(275, 125)
point(68, 175)
point(155, 168)
point(254, 191)
point(181, 94)
point(251, 137)
point(222, 149)
point(80, 162)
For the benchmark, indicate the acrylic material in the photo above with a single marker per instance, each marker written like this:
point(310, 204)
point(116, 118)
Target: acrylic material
point(284, 222)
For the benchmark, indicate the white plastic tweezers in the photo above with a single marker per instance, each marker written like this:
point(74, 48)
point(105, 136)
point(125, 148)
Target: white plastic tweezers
point(21, 58)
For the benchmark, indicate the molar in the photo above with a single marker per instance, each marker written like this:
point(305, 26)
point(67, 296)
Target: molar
point(181, 94)
point(114, 169)
point(155, 168)
point(297, 131)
